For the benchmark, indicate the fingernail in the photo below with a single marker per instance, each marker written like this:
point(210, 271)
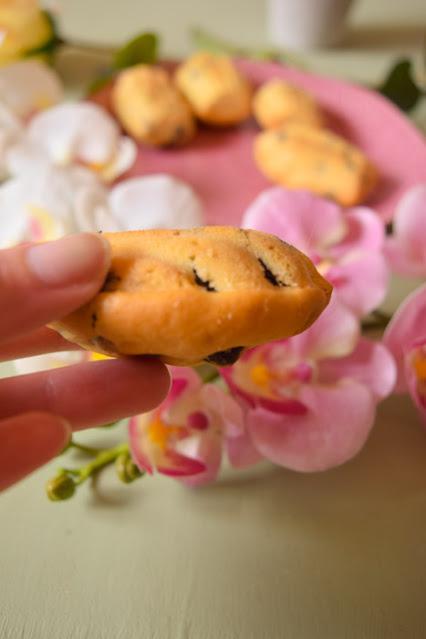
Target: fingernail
point(70, 260)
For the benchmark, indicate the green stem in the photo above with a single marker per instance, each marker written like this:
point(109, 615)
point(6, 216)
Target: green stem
point(207, 373)
point(103, 459)
point(64, 484)
point(211, 376)
point(88, 450)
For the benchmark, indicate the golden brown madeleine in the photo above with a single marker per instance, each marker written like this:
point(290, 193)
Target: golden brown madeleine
point(277, 103)
point(150, 108)
point(304, 157)
point(216, 90)
point(198, 295)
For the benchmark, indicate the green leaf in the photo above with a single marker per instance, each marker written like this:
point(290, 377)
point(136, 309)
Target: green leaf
point(399, 86)
point(143, 49)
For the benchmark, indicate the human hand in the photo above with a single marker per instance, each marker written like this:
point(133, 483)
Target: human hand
point(40, 283)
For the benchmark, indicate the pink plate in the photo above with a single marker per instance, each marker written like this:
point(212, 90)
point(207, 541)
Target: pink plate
point(220, 167)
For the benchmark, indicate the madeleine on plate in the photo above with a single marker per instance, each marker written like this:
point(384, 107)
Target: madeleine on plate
point(151, 109)
point(304, 157)
point(216, 90)
point(277, 103)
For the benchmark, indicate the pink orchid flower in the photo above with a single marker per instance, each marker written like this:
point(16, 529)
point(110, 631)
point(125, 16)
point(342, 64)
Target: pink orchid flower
point(184, 437)
point(406, 249)
point(345, 245)
point(311, 400)
point(405, 337)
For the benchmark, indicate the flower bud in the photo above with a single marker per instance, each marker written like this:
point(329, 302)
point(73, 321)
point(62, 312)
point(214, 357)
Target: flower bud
point(126, 469)
point(60, 487)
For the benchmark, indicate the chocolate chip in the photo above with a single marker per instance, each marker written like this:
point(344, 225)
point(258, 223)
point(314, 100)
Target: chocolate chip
point(104, 344)
point(225, 358)
point(203, 283)
point(269, 274)
point(111, 282)
point(94, 319)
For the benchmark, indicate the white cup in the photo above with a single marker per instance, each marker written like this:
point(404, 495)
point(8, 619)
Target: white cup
point(304, 24)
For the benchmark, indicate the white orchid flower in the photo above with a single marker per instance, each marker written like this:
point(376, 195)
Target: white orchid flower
point(50, 202)
point(155, 201)
point(75, 133)
point(11, 131)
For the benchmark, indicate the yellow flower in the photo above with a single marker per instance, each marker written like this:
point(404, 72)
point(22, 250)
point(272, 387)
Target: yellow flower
point(24, 27)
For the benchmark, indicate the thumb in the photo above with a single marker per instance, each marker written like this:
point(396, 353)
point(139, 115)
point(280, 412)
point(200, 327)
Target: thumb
point(40, 283)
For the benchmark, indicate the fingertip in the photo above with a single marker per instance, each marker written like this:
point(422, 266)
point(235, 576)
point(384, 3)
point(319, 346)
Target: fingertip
point(28, 441)
point(47, 432)
point(71, 260)
point(162, 376)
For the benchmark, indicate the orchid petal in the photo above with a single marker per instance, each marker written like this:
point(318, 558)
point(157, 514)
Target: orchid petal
point(370, 364)
point(83, 133)
point(416, 384)
point(334, 429)
point(123, 160)
point(226, 407)
point(205, 450)
point(149, 456)
point(365, 232)
point(241, 451)
point(406, 250)
point(407, 327)
point(80, 131)
point(137, 440)
point(50, 202)
point(360, 281)
point(13, 220)
point(297, 217)
point(29, 86)
point(333, 334)
point(155, 201)
point(26, 157)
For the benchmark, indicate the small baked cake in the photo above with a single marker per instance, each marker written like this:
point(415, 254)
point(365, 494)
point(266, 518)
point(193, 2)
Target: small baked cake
point(217, 92)
point(198, 295)
point(150, 108)
point(298, 156)
point(277, 103)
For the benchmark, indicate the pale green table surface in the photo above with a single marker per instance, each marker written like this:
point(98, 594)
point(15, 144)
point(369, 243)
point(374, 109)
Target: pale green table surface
point(265, 554)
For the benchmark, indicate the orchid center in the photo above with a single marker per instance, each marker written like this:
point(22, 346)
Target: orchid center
point(280, 380)
point(41, 224)
point(161, 434)
point(419, 364)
